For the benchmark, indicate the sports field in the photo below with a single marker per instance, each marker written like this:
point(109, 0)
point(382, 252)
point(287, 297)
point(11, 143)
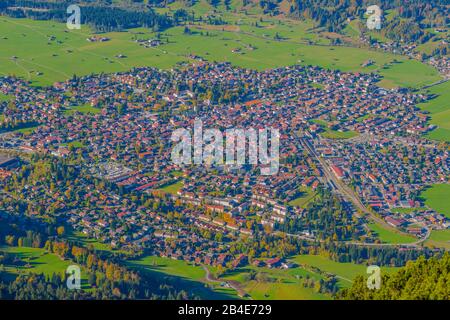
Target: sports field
point(172, 188)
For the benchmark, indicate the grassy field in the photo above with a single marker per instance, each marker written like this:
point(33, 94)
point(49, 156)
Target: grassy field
point(284, 290)
point(278, 285)
point(28, 50)
point(439, 239)
point(407, 73)
point(26, 130)
point(4, 98)
point(40, 262)
point(88, 242)
point(85, 241)
point(184, 275)
point(388, 236)
point(440, 235)
point(170, 266)
point(286, 286)
point(437, 197)
point(407, 210)
point(287, 283)
point(75, 144)
point(439, 109)
point(176, 173)
point(307, 195)
point(345, 272)
point(83, 109)
point(172, 188)
point(333, 134)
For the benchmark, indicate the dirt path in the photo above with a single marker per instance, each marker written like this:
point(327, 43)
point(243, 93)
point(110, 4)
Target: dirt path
point(232, 284)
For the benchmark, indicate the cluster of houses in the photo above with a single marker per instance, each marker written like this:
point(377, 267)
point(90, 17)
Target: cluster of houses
point(149, 43)
point(390, 173)
point(441, 63)
point(98, 39)
point(122, 134)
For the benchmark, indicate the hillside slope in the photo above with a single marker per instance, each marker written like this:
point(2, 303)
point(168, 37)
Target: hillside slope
point(419, 280)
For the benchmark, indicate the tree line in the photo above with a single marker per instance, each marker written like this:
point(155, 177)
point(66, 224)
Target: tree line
point(419, 280)
point(408, 19)
point(101, 18)
point(105, 275)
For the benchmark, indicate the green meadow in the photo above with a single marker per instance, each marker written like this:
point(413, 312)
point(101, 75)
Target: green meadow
point(83, 109)
point(407, 210)
point(390, 236)
point(345, 272)
point(184, 275)
point(440, 239)
point(84, 241)
point(39, 261)
point(333, 134)
point(28, 51)
point(172, 188)
point(46, 52)
point(437, 197)
point(75, 144)
point(4, 97)
point(26, 130)
point(439, 109)
point(283, 289)
point(407, 73)
point(276, 284)
point(271, 284)
point(307, 194)
point(440, 235)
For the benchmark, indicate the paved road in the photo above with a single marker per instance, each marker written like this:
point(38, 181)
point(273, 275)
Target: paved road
point(348, 193)
point(341, 188)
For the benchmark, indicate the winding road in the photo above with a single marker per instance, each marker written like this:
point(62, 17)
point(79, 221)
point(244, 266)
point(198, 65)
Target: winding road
point(232, 284)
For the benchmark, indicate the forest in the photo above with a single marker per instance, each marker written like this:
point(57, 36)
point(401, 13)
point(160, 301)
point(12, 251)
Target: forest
point(102, 18)
point(408, 21)
point(418, 280)
point(107, 278)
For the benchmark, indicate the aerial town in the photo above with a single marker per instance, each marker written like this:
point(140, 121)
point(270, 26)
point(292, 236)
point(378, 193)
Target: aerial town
point(114, 131)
